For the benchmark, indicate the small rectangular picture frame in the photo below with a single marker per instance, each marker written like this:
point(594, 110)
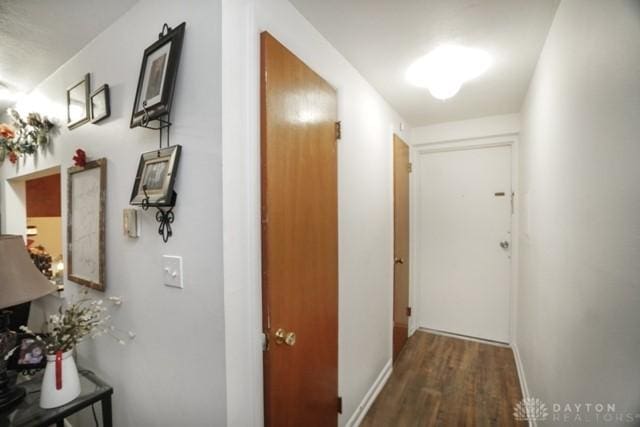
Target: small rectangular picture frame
point(100, 104)
point(158, 74)
point(157, 170)
point(30, 354)
point(78, 105)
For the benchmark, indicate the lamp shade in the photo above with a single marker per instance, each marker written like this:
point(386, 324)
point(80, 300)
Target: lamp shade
point(20, 280)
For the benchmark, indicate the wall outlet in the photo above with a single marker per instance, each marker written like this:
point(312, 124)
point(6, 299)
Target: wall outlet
point(172, 271)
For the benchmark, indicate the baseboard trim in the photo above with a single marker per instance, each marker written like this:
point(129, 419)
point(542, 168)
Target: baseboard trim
point(524, 388)
point(412, 330)
point(370, 396)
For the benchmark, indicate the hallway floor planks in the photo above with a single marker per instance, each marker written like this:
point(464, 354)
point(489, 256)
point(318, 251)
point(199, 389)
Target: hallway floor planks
point(444, 381)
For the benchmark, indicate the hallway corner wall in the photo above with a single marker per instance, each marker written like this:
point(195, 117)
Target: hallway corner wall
point(579, 281)
point(365, 213)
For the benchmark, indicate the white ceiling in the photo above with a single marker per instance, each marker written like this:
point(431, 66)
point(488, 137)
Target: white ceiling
point(38, 36)
point(382, 37)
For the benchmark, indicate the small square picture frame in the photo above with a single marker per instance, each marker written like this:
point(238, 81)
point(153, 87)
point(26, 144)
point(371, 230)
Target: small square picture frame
point(155, 178)
point(78, 106)
point(100, 104)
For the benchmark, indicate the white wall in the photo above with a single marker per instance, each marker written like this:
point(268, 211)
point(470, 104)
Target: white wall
point(365, 206)
point(483, 127)
point(578, 323)
point(173, 372)
point(13, 193)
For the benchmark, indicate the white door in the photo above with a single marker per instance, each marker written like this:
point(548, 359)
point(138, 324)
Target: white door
point(464, 241)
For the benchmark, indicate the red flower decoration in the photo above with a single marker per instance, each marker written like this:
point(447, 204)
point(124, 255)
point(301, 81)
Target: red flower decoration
point(80, 158)
point(13, 157)
point(6, 131)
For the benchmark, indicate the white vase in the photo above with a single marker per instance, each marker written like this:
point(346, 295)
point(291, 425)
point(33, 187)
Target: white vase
point(59, 387)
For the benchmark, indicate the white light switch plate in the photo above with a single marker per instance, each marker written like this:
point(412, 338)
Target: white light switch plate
point(172, 271)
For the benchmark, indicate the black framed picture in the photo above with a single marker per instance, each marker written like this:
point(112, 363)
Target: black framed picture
point(156, 176)
point(158, 77)
point(100, 106)
point(30, 354)
point(78, 103)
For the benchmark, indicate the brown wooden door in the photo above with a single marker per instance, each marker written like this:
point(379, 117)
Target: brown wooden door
point(401, 168)
point(299, 240)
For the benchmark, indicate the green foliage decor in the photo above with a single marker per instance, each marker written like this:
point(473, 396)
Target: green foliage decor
point(24, 136)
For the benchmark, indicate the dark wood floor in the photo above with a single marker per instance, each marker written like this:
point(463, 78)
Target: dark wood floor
point(443, 381)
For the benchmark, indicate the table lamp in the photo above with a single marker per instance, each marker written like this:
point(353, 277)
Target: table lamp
point(20, 282)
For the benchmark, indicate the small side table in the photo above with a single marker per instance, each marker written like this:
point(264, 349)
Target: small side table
point(29, 414)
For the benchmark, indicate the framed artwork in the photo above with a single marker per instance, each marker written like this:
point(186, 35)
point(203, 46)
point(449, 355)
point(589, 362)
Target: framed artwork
point(86, 188)
point(30, 354)
point(158, 77)
point(100, 104)
point(78, 103)
point(156, 176)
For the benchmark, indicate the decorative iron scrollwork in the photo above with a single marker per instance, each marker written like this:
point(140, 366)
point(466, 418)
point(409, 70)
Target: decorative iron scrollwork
point(164, 217)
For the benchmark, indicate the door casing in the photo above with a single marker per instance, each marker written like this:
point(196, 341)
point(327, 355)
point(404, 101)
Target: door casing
point(402, 237)
point(517, 229)
point(299, 240)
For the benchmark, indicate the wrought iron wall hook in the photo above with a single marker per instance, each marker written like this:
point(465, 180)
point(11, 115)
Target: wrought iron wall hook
point(165, 218)
point(145, 201)
point(165, 30)
point(144, 122)
point(164, 124)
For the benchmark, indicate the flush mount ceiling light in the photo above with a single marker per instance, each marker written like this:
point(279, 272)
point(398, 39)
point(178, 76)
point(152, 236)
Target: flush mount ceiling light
point(446, 68)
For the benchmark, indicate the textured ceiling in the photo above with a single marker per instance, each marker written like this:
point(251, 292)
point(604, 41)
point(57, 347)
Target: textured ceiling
point(38, 36)
point(382, 37)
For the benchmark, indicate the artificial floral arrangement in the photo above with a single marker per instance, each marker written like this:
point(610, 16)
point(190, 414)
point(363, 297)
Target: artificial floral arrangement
point(64, 330)
point(24, 136)
point(71, 325)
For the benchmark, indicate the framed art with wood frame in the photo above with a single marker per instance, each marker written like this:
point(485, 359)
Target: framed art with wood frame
point(86, 188)
point(156, 176)
point(158, 76)
point(100, 104)
point(78, 103)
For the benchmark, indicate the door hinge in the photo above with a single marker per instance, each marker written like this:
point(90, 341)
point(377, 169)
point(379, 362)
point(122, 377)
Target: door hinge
point(410, 167)
point(513, 195)
point(338, 130)
point(408, 311)
point(339, 404)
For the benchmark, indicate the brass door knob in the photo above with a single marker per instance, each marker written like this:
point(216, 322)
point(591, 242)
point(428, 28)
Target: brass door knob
point(284, 337)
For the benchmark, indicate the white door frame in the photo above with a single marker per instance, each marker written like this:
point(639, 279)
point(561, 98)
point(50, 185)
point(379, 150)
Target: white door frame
point(507, 139)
